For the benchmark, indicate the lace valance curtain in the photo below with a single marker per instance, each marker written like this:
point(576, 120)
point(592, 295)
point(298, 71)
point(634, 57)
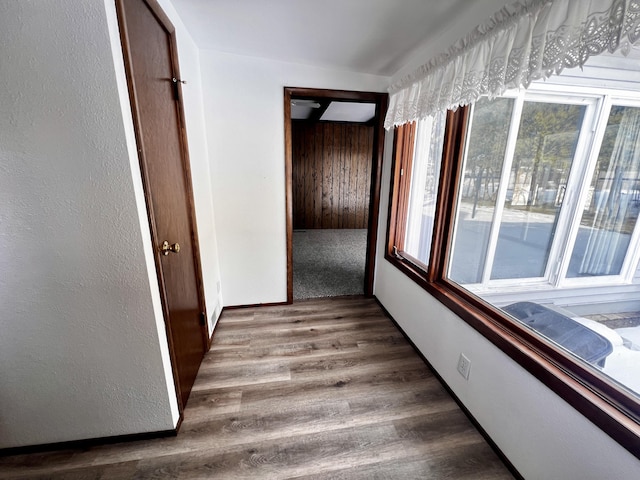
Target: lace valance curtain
point(525, 41)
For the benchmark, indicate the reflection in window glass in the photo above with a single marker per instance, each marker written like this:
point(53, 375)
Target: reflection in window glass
point(487, 141)
point(547, 139)
point(613, 200)
point(424, 186)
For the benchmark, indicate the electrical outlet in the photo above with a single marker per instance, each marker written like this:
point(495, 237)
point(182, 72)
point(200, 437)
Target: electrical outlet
point(464, 366)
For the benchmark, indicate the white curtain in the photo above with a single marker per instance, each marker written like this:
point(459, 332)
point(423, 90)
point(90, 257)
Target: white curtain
point(615, 205)
point(424, 186)
point(525, 41)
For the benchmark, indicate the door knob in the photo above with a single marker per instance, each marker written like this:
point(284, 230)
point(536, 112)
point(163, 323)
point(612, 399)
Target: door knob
point(166, 248)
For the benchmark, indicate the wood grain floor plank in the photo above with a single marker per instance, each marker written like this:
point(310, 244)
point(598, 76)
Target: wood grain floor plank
point(322, 389)
point(280, 351)
point(239, 375)
point(290, 457)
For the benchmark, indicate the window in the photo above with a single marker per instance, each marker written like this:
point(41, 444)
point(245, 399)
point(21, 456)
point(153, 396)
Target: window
point(419, 155)
point(520, 213)
point(549, 193)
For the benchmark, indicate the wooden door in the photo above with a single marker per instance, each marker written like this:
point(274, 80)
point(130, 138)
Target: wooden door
point(150, 58)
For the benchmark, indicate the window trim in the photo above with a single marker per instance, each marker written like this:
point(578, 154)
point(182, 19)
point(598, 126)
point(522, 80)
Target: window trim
point(614, 410)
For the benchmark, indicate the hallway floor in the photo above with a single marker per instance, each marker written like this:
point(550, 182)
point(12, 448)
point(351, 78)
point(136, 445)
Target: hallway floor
point(321, 389)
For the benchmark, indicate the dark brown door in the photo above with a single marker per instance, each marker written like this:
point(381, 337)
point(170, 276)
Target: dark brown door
point(149, 49)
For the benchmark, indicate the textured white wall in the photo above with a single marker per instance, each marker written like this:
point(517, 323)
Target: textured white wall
point(540, 433)
point(245, 130)
point(82, 351)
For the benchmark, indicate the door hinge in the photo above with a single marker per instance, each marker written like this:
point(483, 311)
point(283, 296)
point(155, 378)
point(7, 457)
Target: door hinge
point(203, 319)
point(176, 92)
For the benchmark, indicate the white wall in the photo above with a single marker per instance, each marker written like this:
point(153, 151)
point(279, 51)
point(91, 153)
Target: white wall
point(82, 348)
point(189, 59)
point(543, 436)
point(540, 433)
point(245, 130)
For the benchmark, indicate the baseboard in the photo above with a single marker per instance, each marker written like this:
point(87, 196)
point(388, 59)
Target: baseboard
point(90, 442)
point(213, 333)
point(466, 411)
point(253, 305)
point(210, 341)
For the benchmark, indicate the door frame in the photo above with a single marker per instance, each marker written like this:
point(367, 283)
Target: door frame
point(381, 101)
point(164, 20)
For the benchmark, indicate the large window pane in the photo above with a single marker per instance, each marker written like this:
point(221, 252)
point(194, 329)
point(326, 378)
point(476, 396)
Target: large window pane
point(545, 148)
point(613, 199)
point(424, 186)
point(487, 140)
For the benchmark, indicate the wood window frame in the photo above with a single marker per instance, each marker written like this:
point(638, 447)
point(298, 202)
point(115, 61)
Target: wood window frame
point(594, 395)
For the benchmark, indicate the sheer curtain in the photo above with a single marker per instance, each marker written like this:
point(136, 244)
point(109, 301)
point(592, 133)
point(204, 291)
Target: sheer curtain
point(615, 203)
point(424, 186)
point(525, 41)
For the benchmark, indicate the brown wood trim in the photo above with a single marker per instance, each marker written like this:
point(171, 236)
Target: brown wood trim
point(376, 185)
point(452, 158)
point(347, 95)
point(406, 135)
point(179, 423)
point(381, 101)
point(88, 443)
point(186, 167)
point(162, 17)
point(594, 395)
point(288, 191)
point(393, 192)
point(461, 405)
point(254, 305)
point(403, 149)
point(210, 340)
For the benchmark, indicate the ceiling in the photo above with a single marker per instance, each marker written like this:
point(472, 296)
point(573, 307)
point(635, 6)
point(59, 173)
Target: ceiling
point(368, 36)
point(332, 111)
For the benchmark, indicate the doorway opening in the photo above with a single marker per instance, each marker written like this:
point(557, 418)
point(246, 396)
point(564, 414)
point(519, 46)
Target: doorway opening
point(333, 153)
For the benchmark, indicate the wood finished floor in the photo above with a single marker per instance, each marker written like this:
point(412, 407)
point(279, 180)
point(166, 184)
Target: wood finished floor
point(322, 389)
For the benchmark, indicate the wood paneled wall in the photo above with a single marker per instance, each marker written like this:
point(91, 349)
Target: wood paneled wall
point(331, 174)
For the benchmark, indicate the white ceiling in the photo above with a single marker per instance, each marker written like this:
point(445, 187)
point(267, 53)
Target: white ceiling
point(368, 36)
point(336, 111)
point(349, 112)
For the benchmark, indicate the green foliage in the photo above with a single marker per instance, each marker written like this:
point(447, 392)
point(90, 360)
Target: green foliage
point(487, 144)
point(546, 142)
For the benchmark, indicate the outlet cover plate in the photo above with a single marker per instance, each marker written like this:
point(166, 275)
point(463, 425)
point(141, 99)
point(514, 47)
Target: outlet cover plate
point(464, 366)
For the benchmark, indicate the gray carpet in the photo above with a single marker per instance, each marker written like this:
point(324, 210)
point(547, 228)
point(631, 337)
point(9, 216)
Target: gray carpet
point(328, 263)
